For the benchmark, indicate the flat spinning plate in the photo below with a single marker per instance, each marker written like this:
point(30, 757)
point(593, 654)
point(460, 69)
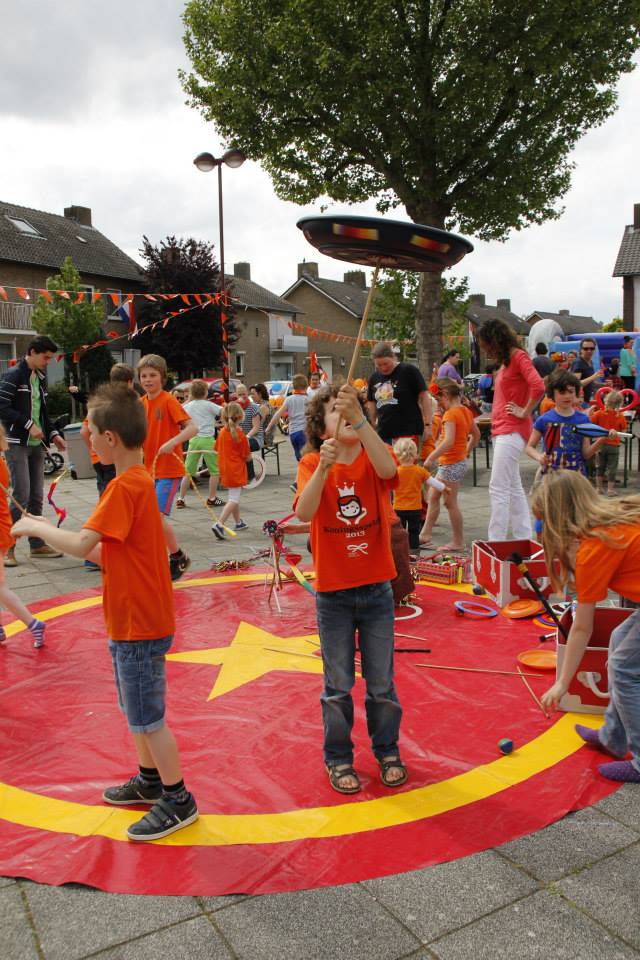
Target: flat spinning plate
point(397, 244)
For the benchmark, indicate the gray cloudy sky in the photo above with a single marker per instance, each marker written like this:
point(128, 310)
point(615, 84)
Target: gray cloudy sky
point(92, 113)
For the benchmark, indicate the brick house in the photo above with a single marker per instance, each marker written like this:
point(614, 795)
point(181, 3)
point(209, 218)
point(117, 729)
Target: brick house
point(628, 267)
point(33, 246)
point(333, 306)
point(267, 348)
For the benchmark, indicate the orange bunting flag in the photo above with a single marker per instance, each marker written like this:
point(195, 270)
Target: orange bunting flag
point(23, 293)
point(150, 296)
point(79, 298)
point(165, 322)
point(3, 293)
point(112, 335)
point(115, 298)
point(47, 296)
point(185, 299)
point(197, 298)
point(63, 294)
point(97, 296)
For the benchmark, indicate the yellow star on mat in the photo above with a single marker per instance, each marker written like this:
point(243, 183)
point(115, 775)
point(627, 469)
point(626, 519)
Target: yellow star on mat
point(253, 653)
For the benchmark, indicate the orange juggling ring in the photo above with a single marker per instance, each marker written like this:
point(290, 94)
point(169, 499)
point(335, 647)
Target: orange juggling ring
point(626, 392)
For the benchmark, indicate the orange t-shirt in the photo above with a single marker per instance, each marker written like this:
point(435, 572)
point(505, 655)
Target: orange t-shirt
point(546, 404)
point(430, 443)
point(165, 418)
point(462, 418)
point(232, 458)
point(350, 538)
point(408, 495)
point(137, 596)
point(601, 567)
point(6, 540)
point(611, 421)
point(92, 453)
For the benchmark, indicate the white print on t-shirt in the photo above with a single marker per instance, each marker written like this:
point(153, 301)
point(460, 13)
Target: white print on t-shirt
point(353, 549)
point(384, 394)
point(350, 509)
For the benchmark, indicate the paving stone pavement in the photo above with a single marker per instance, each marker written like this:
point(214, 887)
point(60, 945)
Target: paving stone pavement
point(568, 891)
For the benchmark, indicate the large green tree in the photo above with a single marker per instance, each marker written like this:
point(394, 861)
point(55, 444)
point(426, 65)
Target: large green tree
point(192, 341)
point(463, 111)
point(72, 322)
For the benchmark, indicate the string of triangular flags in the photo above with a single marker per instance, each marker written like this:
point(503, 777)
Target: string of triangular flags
point(304, 329)
point(94, 296)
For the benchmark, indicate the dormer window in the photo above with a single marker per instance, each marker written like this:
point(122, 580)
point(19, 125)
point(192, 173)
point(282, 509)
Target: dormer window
point(24, 226)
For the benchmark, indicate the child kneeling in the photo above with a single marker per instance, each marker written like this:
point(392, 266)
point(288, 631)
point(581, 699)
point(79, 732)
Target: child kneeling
point(124, 534)
point(343, 489)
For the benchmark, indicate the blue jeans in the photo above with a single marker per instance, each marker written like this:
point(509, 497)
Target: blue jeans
point(621, 730)
point(298, 440)
point(369, 611)
point(139, 671)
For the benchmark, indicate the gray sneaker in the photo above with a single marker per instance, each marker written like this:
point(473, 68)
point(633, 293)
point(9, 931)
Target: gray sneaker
point(133, 791)
point(165, 817)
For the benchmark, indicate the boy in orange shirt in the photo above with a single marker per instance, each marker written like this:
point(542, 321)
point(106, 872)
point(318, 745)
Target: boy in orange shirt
point(344, 486)
point(168, 427)
point(124, 534)
point(407, 499)
point(609, 455)
point(459, 436)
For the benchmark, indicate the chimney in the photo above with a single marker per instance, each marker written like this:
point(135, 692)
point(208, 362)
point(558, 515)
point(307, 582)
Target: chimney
point(357, 278)
point(504, 305)
point(242, 270)
point(564, 313)
point(636, 216)
point(478, 299)
point(80, 214)
point(308, 269)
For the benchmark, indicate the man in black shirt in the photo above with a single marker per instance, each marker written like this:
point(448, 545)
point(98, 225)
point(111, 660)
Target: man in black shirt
point(398, 401)
point(543, 364)
point(583, 368)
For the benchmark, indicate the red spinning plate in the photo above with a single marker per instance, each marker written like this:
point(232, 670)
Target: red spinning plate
point(373, 241)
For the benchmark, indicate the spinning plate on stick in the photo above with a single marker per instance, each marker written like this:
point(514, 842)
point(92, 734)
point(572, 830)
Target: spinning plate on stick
point(375, 242)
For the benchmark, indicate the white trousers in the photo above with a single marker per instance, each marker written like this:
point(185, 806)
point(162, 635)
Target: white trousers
point(508, 499)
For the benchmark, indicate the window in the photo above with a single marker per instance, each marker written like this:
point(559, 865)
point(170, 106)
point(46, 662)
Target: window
point(24, 226)
point(110, 306)
point(240, 358)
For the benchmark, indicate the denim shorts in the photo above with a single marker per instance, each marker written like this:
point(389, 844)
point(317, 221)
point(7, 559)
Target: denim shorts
point(139, 670)
point(166, 489)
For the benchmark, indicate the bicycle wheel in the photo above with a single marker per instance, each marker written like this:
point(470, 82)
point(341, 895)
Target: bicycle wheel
point(260, 472)
point(52, 463)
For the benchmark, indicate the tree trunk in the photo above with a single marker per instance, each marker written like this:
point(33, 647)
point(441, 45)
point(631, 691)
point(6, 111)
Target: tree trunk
point(429, 324)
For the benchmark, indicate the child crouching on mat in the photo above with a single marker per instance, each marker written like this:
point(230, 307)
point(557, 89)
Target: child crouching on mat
point(343, 490)
point(8, 598)
point(597, 544)
point(407, 498)
point(233, 452)
point(124, 534)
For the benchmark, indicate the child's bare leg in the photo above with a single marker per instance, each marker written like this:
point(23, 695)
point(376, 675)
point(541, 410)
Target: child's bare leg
point(159, 750)
point(169, 536)
point(455, 518)
point(184, 485)
point(213, 487)
point(12, 602)
point(433, 512)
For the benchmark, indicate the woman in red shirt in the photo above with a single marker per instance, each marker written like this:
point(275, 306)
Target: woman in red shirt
point(518, 388)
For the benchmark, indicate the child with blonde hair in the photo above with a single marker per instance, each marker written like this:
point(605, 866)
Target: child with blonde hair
point(458, 437)
point(596, 544)
point(233, 452)
point(8, 598)
point(407, 498)
point(609, 455)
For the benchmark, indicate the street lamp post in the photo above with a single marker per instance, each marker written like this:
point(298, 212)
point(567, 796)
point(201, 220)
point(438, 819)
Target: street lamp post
point(206, 162)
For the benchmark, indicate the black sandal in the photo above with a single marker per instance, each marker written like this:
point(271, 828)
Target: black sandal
point(391, 763)
point(338, 773)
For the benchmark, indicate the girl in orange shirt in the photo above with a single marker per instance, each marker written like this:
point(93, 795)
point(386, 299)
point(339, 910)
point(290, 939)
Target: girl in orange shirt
point(233, 452)
point(407, 498)
point(597, 544)
point(459, 435)
point(8, 598)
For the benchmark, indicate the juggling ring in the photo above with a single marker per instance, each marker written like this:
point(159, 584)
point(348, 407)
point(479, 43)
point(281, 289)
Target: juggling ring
point(626, 391)
point(415, 611)
point(466, 608)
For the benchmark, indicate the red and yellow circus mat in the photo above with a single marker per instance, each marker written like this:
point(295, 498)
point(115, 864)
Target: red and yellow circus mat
point(243, 701)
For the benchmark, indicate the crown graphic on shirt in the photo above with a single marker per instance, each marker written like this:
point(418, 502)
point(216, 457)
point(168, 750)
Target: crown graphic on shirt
point(347, 491)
